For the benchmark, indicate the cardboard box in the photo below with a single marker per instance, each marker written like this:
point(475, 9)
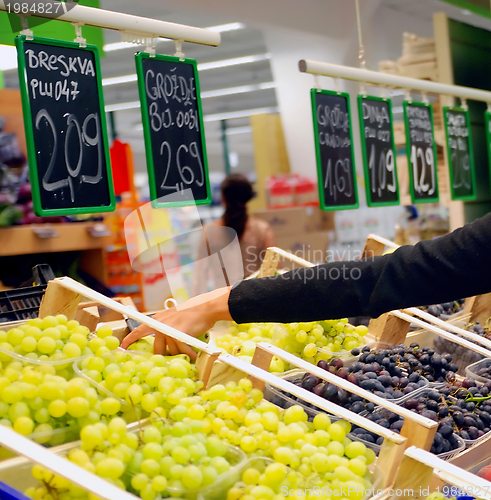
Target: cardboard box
point(309, 246)
point(284, 221)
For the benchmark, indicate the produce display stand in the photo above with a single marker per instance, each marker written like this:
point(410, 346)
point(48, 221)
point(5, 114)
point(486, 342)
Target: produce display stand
point(63, 295)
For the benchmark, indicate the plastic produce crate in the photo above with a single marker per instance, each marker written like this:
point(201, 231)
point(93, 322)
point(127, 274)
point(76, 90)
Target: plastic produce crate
point(16, 473)
point(21, 303)
point(471, 371)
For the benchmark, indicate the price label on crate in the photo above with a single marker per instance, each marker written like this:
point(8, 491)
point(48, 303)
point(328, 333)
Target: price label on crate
point(173, 129)
point(421, 152)
point(334, 150)
point(379, 155)
point(459, 150)
point(65, 127)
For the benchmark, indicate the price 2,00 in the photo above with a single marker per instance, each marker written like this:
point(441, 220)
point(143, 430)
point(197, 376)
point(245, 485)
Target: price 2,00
point(420, 161)
point(382, 173)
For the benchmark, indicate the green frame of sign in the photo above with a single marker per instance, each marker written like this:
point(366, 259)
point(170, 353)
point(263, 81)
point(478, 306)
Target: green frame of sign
point(487, 124)
point(320, 179)
point(28, 125)
point(471, 155)
point(436, 198)
point(147, 134)
point(366, 169)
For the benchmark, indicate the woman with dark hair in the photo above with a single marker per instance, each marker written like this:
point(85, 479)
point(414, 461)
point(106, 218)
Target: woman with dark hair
point(218, 255)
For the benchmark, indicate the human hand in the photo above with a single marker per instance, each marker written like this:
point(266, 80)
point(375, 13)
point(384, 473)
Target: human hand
point(194, 317)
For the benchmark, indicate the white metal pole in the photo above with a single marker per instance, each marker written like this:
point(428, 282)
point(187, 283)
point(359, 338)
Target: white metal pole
point(367, 76)
point(142, 26)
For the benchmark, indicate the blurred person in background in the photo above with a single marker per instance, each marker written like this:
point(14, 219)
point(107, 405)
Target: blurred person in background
point(254, 237)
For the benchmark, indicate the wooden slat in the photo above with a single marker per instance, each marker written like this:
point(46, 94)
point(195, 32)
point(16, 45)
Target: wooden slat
point(375, 245)
point(269, 264)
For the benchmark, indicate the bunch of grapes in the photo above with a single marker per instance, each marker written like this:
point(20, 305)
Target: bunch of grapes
point(185, 448)
point(388, 382)
point(36, 400)
point(445, 310)
point(311, 341)
point(141, 382)
point(425, 362)
point(262, 478)
point(54, 338)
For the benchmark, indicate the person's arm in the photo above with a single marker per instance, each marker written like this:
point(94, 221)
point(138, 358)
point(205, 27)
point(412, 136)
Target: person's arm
point(440, 270)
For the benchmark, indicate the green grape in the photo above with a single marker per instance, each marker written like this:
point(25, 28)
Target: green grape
point(46, 345)
point(110, 468)
point(77, 407)
point(355, 449)
point(57, 408)
point(110, 406)
point(24, 425)
point(140, 481)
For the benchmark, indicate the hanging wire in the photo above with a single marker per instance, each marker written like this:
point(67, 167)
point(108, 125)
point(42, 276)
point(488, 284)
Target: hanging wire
point(361, 48)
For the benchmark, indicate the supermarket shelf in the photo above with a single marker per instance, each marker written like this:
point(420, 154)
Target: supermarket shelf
point(77, 236)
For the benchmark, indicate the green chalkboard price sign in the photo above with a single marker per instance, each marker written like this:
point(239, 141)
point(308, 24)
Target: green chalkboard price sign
point(379, 157)
point(173, 129)
point(65, 127)
point(459, 149)
point(334, 150)
point(421, 152)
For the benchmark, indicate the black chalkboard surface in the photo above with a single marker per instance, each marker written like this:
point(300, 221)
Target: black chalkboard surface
point(173, 129)
point(421, 152)
point(65, 126)
point(334, 150)
point(379, 158)
point(459, 149)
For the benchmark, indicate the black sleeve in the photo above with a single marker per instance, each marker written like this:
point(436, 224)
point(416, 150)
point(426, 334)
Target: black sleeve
point(454, 266)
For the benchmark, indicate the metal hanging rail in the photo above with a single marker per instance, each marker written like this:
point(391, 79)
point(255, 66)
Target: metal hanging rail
point(140, 26)
point(404, 82)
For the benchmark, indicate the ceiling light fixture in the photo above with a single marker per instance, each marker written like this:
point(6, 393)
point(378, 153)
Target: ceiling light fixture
point(233, 62)
point(238, 90)
point(119, 79)
point(231, 115)
point(122, 106)
point(222, 28)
